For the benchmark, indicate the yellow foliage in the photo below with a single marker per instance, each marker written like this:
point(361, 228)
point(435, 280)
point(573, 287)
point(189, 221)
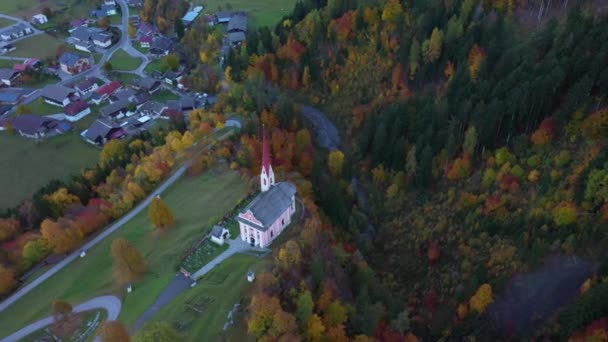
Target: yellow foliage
point(533, 176)
point(482, 298)
point(336, 162)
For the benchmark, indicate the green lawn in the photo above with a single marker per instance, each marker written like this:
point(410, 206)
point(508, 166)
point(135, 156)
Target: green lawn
point(154, 65)
point(116, 19)
point(29, 165)
point(123, 77)
point(206, 252)
point(164, 95)
point(214, 297)
point(27, 8)
point(122, 61)
point(6, 22)
point(263, 12)
point(138, 47)
point(7, 63)
point(39, 107)
point(196, 204)
point(39, 46)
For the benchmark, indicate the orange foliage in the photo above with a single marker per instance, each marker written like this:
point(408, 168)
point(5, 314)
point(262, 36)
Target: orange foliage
point(509, 182)
point(344, 25)
point(545, 133)
point(493, 202)
point(596, 331)
point(292, 50)
point(8, 228)
point(434, 251)
point(595, 126)
point(476, 57)
point(460, 168)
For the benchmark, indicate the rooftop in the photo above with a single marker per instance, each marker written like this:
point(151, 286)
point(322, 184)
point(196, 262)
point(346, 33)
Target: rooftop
point(269, 205)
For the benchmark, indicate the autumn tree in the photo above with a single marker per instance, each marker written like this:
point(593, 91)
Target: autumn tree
point(470, 141)
point(114, 331)
point(315, 329)
point(61, 309)
point(169, 62)
point(129, 264)
point(62, 235)
point(104, 22)
point(35, 251)
point(107, 67)
point(565, 213)
point(8, 228)
point(304, 307)
point(431, 48)
point(8, 280)
point(290, 256)
point(477, 56)
point(112, 151)
point(336, 162)
point(268, 318)
point(161, 215)
point(132, 31)
point(482, 298)
point(59, 200)
point(158, 332)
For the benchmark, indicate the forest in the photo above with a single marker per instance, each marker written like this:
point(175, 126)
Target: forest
point(477, 130)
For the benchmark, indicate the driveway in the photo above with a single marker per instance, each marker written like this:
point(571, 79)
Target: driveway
point(75, 255)
point(109, 303)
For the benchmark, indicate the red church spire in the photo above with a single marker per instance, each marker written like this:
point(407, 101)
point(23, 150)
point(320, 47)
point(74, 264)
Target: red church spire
point(265, 152)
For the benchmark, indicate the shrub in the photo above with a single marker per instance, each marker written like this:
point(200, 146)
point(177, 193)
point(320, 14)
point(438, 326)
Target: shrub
point(534, 161)
point(489, 177)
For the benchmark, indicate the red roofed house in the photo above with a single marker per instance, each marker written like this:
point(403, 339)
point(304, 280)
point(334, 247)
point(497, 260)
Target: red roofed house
point(270, 212)
point(32, 63)
point(145, 41)
point(103, 93)
point(76, 110)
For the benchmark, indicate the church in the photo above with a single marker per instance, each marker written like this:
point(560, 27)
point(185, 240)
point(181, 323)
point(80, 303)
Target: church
point(270, 211)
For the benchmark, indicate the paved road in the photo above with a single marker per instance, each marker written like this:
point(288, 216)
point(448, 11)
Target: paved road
point(114, 227)
point(181, 283)
point(326, 133)
point(109, 303)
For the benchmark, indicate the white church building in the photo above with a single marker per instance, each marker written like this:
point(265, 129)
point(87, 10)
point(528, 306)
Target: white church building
point(271, 211)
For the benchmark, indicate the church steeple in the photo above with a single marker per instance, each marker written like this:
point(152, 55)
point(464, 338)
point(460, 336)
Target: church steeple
point(267, 175)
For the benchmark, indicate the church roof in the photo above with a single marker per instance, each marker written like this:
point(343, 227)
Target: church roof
point(269, 205)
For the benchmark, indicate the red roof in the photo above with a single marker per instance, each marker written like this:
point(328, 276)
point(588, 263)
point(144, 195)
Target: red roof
point(20, 67)
point(109, 88)
point(146, 39)
point(75, 107)
point(265, 152)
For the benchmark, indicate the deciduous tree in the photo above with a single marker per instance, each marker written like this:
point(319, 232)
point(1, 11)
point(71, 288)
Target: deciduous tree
point(8, 228)
point(129, 264)
point(161, 215)
point(62, 235)
point(61, 309)
point(158, 332)
point(35, 251)
point(482, 298)
point(114, 331)
point(8, 280)
point(336, 162)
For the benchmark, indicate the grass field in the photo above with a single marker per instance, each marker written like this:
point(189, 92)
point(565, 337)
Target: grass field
point(123, 77)
point(154, 65)
point(6, 22)
point(28, 165)
point(263, 12)
point(39, 107)
point(122, 61)
point(39, 46)
point(196, 204)
point(206, 252)
point(28, 8)
point(164, 95)
point(214, 297)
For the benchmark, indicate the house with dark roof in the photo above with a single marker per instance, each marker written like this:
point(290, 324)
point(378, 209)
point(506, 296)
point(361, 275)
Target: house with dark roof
point(57, 95)
point(267, 215)
point(33, 126)
point(135, 3)
point(152, 108)
point(9, 77)
point(73, 63)
point(104, 11)
point(223, 17)
point(12, 96)
point(87, 85)
point(219, 234)
point(173, 77)
point(16, 31)
point(102, 40)
point(145, 41)
point(236, 38)
point(116, 110)
point(145, 29)
point(76, 110)
point(78, 22)
point(147, 84)
point(123, 94)
point(238, 23)
point(102, 131)
point(162, 46)
point(104, 92)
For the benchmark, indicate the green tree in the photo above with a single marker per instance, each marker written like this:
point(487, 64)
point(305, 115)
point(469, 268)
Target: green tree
point(305, 306)
point(35, 251)
point(178, 27)
point(158, 332)
point(431, 48)
point(23, 109)
point(470, 141)
point(410, 162)
point(414, 58)
point(169, 62)
point(107, 67)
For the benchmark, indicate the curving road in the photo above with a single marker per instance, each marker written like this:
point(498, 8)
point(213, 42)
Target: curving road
point(109, 303)
point(75, 255)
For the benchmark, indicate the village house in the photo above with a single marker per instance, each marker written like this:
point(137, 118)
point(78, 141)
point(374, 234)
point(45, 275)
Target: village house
point(223, 17)
point(29, 64)
point(173, 77)
point(135, 3)
point(102, 131)
point(183, 104)
point(152, 108)
point(12, 96)
point(103, 93)
point(76, 23)
point(148, 84)
point(33, 126)
point(115, 110)
point(16, 31)
point(76, 110)
point(102, 40)
point(8, 77)
point(269, 212)
point(161, 46)
point(211, 20)
point(58, 95)
point(237, 29)
point(87, 85)
point(73, 63)
point(40, 19)
point(219, 235)
point(146, 29)
point(4, 48)
point(105, 11)
point(109, 2)
point(145, 41)
point(191, 16)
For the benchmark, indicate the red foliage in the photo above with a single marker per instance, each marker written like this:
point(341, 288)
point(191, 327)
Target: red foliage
point(493, 202)
point(345, 25)
point(509, 182)
point(596, 331)
point(434, 251)
point(385, 333)
point(292, 50)
point(545, 132)
point(431, 301)
point(349, 248)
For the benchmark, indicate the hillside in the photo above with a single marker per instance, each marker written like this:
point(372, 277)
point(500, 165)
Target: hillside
point(480, 142)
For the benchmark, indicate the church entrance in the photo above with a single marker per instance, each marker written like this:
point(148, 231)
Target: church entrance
point(252, 241)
